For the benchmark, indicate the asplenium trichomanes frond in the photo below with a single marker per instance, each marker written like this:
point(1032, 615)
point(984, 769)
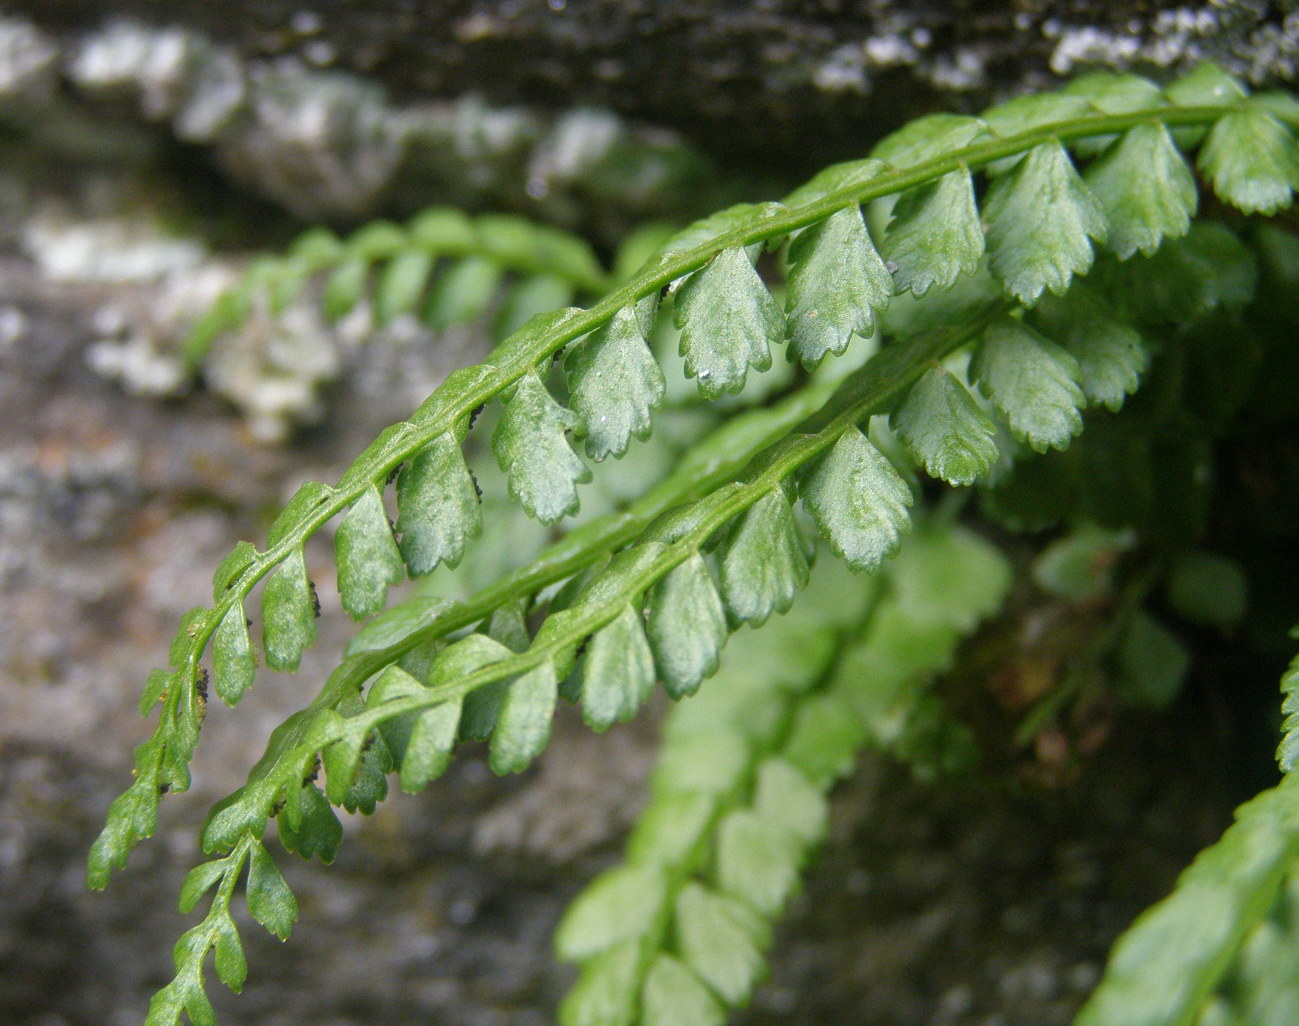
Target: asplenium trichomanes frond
point(983, 220)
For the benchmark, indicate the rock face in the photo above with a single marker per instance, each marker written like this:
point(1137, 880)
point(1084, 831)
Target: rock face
point(145, 156)
point(794, 82)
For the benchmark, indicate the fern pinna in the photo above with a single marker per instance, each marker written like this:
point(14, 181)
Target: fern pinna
point(986, 222)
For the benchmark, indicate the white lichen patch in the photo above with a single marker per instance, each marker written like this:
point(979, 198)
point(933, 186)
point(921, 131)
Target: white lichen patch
point(107, 249)
point(28, 61)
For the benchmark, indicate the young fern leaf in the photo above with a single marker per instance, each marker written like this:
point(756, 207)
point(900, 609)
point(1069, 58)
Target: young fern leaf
point(1110, 353)
point(1144, 189)
point(945, 430)
point(686, 625)
point(614, 381)
point(617, 671)
point(523, 724)
point(1252, 161)
point(288, 614)
point(186, 993)
point(728, 323)
point(462, 294)
point(836, 283)
point(455, 661)
point(765, 565)
point(721, 939)
point(531, 445)
point(234, 665)
point(1041, 223)
point(438, 509)
point(421, 742)
point(935, 234)
point(1287, 753)
point(368, 559)
point(1032, 382)
point(401, 285)
point(270, 902)
point(858, 500)
point(673, 994)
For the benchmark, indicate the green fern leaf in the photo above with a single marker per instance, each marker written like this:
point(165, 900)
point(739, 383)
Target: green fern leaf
point(531, 446)
point(288, 614)
point(721, 939)
point(523, 725)
point(199, 880)
point(617, 671)
point(674, 995)
point(824, 739)
point(270, 901)
point(234, 666)
point(728, 322)
point(606, 992)
point(1112, 93)
point(231, 964)
point(1287, 752)
point(858, 500)
point(614, 382)
point(438, 510)
point(836, 282)
point(461, 293)
point(945, 430)
point(536, 294)
point(706, 229)
point(671, 830)
point(429, 747)
point(845, 175)
point(1162, 970)
point(783, 795)
point(686, 624)
point(342, 761)
point(399, 623)
point(622, 902)
point(715, 762)
point(1033, 110)
point(443, 230)
point(758, 860)
point(308, 826)
point(1144, 189)
point(1111, 354)
point(928, 137)
point(935, 234)
point(1252, 161)
point(1041, 220)
point(192, 621)
point(401, 285)
point(346, 288)
point(765, 565)
point(1115, 93)
point(367, 555)
point(1032, 382)
point(1207, 85)
point(461, 659)
point(228, 570)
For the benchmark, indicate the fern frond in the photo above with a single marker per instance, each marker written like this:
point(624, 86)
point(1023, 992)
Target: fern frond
point(1163, 970)
point(1287, 752)
point(738, 798)
point(716, 544)
point(442, 266)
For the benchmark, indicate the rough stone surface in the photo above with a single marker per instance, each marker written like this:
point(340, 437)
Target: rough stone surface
point(771, 80)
